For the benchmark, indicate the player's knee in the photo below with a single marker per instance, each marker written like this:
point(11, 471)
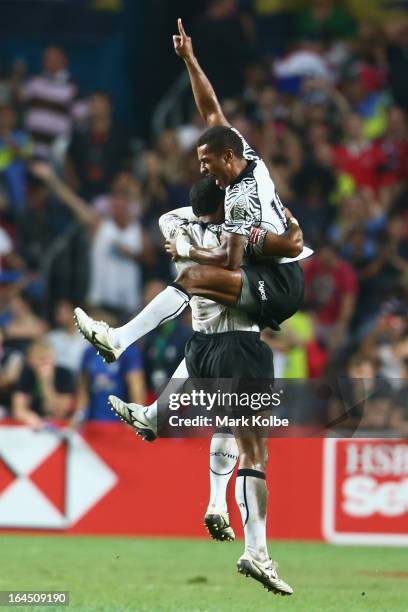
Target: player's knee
point(190, 278)
point(254, 456)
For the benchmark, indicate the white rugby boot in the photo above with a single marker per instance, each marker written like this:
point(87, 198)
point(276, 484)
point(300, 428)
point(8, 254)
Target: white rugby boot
point(265, 573)
point(97, 333)
point(218, 526)
point(134, 415)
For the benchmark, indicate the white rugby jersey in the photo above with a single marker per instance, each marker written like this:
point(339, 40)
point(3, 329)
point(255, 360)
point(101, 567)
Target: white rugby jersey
point(252, 200)
point(208, 317)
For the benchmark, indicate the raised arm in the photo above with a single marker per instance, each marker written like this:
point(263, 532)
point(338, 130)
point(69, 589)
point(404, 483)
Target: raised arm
point(204, 94)
point(83, 212)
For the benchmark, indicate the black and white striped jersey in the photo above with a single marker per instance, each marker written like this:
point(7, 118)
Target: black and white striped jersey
point(252, 199)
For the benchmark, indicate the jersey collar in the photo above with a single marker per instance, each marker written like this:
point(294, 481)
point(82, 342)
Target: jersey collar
point(249, 168)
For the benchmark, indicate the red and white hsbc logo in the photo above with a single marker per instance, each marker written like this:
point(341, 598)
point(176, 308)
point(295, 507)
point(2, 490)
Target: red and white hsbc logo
point(48, 481)
point(365, 491)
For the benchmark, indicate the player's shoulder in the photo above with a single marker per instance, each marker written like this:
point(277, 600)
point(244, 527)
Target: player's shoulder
point(249, 152)
point(242, 194)
point(244, 183)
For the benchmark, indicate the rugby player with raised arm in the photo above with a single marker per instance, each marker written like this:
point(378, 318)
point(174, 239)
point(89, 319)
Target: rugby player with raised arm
point(270, 291)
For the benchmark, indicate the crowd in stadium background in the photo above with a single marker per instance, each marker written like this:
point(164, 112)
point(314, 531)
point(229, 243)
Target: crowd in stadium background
point(321, 92)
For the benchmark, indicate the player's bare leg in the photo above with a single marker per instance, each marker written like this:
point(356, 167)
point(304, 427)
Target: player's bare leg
point(251, 496)
point(218, 284)
point(222, 286)
point(145, 419)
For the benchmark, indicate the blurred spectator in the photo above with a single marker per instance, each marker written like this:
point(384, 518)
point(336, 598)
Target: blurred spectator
point(68, 345)
point(362, 400)
point(312, 185)
point(43, 390)
point(362, 160)
point(123, 184)
point(382, 273)
point(290, 346)
point(388, 344)
point(397, 58)
point(118, 245)
point(360, 211)
point(49, 98)
point(397, 239)
point(98, 151)
point(304, 62)
point(399, 419)
point(395, 147)
point(155, 198)
point(9, 259)
point(10, 81)
point(371, 106)
point(124, 378)
point(171, 157)
point(325, 18)
point(331, 289)
point(173, 167)
point(188, 133)
point(154, 186)
point(40, 224)
point(223, 25)
point(274, 25)
point(11, 362)
point(297, 333)
point(19, 322)
point(15, 148)
point(163, 348)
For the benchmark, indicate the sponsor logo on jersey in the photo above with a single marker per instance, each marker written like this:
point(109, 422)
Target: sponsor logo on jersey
point(261, 287)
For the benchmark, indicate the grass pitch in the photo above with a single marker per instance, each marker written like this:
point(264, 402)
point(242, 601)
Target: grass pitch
point(149, 575)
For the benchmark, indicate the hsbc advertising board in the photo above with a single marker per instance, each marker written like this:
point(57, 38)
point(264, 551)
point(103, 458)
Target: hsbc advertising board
point(104, 480)
point(365, 491)
point(48, 481)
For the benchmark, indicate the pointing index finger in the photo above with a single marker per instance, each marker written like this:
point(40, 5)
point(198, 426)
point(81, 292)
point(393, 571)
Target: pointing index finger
point(181, 28)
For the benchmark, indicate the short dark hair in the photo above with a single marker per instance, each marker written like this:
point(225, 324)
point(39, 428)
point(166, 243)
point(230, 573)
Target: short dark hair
point(205, 197)
point(220, 138)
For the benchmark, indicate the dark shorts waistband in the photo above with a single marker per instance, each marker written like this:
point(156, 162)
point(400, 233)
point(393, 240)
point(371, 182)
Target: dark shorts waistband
point(229, 334)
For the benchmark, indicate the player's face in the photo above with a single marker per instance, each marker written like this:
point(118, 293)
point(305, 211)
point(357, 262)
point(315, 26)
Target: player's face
point(213, 164)
point(217, 217)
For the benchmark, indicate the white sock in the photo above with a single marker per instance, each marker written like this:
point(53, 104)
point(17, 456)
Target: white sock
point(223, 458)
point(251, 496)
point(181, 372)
point(167, 305)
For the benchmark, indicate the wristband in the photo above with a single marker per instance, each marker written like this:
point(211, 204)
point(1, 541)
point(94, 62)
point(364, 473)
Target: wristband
point(183, 247)
point(256, 240)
